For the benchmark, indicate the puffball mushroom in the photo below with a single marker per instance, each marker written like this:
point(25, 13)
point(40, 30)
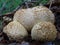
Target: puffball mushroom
point(42, 13)
point(15, 31)
point(44, 31)
point(25, 17)
point(29, 17)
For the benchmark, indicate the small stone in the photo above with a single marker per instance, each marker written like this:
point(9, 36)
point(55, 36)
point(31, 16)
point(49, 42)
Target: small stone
point(24, 43)
point(12, 44)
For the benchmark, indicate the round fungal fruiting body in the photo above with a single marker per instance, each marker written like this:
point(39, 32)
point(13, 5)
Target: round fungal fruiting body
point(25, 17)
point(15, 31)
point(29, 17)
point(44, 31)
point(42, 13)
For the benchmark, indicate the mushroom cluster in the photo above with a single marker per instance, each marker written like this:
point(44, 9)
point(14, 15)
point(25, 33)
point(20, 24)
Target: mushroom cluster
point(29, 17)
point(37, 20)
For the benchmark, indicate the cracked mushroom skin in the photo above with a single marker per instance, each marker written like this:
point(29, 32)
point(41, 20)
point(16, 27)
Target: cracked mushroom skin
point(29, 17)
point(44, 31)
point(15, 31)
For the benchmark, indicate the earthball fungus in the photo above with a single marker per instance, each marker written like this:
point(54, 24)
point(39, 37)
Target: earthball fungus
point(15, 31)
point(44, 31)
point(30, 16)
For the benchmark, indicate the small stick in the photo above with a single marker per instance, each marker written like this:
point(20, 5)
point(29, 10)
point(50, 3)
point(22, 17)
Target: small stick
point(51, 1)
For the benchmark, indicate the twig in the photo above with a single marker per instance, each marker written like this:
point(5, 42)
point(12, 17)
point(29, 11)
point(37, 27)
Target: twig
point(26, 3)
point(51, 1)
